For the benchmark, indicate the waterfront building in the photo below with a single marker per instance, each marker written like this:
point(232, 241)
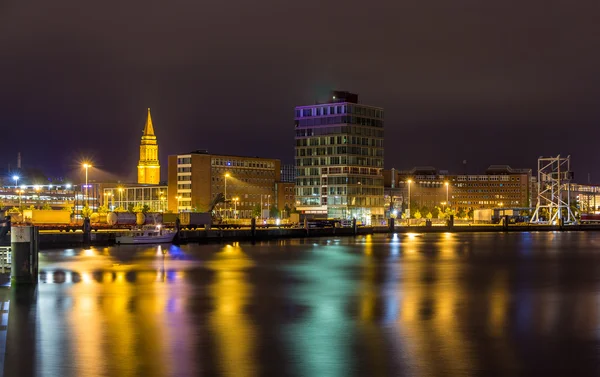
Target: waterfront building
point(248, 183)
point(127, 196)
point(57, 197)
point(339, 159)
point(149, 165)
point(499, 186)
point(586, 197)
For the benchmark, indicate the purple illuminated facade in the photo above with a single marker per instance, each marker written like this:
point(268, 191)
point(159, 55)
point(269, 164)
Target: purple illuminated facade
point(339, 159)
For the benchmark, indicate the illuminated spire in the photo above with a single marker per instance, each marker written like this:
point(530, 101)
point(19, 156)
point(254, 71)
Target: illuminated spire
point(149, 129)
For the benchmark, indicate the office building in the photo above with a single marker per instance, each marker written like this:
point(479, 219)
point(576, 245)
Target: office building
point(339, 159)
point(500, 186)
point(248, 183)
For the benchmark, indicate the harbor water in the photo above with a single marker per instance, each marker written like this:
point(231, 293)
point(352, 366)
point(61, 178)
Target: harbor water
point(465, 304)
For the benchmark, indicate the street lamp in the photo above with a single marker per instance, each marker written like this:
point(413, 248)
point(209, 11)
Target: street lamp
point(86, 166)
point(227, 175)
point(121, 197)
point(409, 182)
point(268, 206)
point(447, 185)
point(16, 179)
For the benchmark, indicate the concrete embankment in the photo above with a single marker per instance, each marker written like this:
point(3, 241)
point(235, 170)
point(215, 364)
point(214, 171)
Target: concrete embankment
point(58, 240)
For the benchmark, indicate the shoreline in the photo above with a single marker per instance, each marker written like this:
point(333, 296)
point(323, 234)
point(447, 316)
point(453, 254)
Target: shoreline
point(57, 240)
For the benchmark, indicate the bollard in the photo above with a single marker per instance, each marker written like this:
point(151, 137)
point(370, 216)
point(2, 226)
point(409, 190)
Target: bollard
point(253, 227)
point(87, 230)
point(391, 225)
point(24, 244)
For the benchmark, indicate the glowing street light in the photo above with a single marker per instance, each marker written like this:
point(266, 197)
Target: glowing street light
point(447, 185)
point(409, 182)
point(86, 166)
point(227, 175)
point(16, 179)
point(121, 197)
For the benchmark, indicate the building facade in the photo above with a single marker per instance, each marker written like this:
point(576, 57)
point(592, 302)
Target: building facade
point(149, 165)
point(500, 186)
point(339, 159)
point(286, 200)
point(248, 183)
point(126, 196)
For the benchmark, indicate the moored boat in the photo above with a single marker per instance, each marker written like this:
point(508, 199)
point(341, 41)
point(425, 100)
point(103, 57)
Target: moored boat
point(147, 234)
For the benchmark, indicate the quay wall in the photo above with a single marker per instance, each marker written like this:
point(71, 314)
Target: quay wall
point(65, 239)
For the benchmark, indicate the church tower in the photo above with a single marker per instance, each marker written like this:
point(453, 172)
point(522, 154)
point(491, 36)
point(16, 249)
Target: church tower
point(149, 167)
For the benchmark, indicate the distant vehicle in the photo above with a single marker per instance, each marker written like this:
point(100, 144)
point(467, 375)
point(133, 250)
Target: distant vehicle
point(590, 218)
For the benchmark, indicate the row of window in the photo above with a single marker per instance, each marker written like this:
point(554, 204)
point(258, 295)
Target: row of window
point(325, 121)
point(302, 152)
point(301, 172)
point(350, 160)
point(339, 140)
point(242, 163)
point(324, 181)
point(348, 130)
point(339, 109)
point(487, 178)
point(341, 200)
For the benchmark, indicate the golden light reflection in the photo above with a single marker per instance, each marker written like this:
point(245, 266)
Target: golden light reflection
point(430, 303)
point(89, 252)
point(230, 292)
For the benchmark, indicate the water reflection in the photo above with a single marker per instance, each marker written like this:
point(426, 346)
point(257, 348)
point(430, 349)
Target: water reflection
point(233, 332)
point(417, 304)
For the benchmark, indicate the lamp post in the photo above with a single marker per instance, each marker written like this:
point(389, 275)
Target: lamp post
point(409, 182)
point(86, 166)
point(235, 200)
point(16, 178)
point(227, 175)
point(268, 206)
point(121, 197)
point(447, 186)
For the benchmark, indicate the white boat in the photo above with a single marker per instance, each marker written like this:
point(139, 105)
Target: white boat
point(147, 234)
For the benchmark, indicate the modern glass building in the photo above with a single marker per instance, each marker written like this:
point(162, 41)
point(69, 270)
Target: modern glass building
point(125, 196)
point(339, 159)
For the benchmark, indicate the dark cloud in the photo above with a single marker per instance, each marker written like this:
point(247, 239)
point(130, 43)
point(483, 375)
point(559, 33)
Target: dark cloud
point(490, 82)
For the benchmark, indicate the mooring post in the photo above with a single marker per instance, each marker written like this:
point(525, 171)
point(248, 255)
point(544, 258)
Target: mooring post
point(24, 244)
point(87, 231)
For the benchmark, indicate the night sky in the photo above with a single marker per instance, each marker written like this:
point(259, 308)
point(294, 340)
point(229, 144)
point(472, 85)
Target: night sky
point(490, 82)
